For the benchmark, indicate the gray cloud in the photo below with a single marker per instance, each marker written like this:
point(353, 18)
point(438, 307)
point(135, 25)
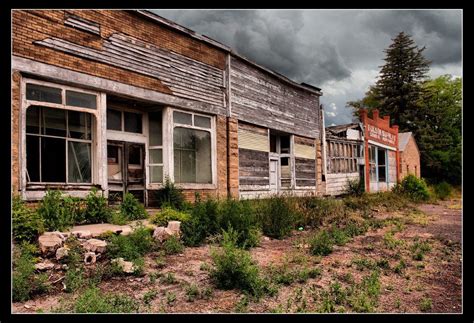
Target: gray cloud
point(337, 50)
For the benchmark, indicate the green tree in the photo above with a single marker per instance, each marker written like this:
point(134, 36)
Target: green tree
point(437, 129)
point(399, 85)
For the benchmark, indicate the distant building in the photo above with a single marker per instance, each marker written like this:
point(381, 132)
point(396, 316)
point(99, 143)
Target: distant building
point(409, 155)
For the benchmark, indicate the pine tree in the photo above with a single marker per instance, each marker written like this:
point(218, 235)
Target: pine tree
point(399, 86)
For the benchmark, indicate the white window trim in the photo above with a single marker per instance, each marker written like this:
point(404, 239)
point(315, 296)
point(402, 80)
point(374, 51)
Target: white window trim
point(97, 173)
point(168, 128)
point(164, 143)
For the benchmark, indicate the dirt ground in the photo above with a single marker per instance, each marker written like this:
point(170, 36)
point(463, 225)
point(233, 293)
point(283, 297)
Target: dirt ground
point(435, 280)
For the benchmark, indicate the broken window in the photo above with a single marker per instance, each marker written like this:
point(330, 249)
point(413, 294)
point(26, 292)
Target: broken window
point(114, 162)
point(58, 145)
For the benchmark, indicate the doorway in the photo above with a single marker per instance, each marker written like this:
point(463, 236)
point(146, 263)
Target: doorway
point(125, 170)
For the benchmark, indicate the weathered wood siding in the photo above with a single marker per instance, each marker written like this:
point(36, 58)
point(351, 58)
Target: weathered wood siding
point(184, 76)
point(337, 183)
point(305, 172)
point(259, 98)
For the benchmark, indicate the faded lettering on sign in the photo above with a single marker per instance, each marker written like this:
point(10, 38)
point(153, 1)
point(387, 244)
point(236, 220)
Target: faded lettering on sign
point(381, 135)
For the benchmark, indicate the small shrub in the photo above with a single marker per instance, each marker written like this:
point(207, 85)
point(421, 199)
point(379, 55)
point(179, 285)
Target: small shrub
point(117, 217)
point(149, 296)
point(192, 292)
point(398, 269)
point(339, 236)
point(315, 211)
point(94, 301)
point(362, 263)
point(171, 195)
point(173, 246)
point(170, 297)
point(132, 246)
point(132, 209)
point(355, 188)
point(239, 215)
point(169, 214)
point(97, 209)
point(390, 241)
point(169, 278)
point(74, 279)
point(426, 304)
point(413, 187)
point(277, 216)
point(321, 244)
point(25, 282)
point(234, 268)
point(419, 249)
point(54, 213)
point(443, 190)
point(242, 305)
point(203, 223)
point(27, 225)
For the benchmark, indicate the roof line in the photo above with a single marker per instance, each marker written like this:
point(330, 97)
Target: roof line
point(215, 43)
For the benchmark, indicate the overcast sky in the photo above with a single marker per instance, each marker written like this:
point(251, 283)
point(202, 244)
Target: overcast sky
point(339, 51)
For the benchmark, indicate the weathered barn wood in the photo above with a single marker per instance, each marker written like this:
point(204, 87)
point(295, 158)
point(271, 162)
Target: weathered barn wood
point(184, 76)
point(253, 167)
point(259, 98)
point(82, 24)
point(305, 169)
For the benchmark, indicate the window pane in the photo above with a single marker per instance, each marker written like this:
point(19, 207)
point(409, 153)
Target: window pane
point(114, 162)
point(43, 93)
point(285, 171)
point(381, 156)
point(285, 144)
point(155, 130)
point(133, 122)
point(79, 162)
point(32, 120)
point(32, 158)
point(54, 122)
point(156, 156)
point(135, 155)
point(273, 148)
point(156, 174)
point(203, 122)
point(79, 99)
point(382, 175)
point(192, 156)
point(114, 120)
point(182, 118)
point(79, 125)
point(53, 160)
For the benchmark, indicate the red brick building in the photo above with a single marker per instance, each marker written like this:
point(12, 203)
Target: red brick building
point(121, 99)
point(409, 155)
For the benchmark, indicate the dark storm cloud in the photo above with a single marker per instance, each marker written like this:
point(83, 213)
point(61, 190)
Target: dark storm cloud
point(337, 50)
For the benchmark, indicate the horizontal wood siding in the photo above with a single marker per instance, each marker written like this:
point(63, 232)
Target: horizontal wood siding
point(336, 184)
point(305, 172)
point(185, 77)
point(305, 151)
point(253, 169)
point(259, 98)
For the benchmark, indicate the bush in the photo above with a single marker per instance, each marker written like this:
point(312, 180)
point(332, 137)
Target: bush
point(94, 301)
point(132, 209)
point(277, 216)
point(413, 187)
point(171, 195)
point(25, 282)
point(240, 216)
point(169, 214)
point(234, 268)
point(355, 187)
point(202, 223)
point(173, 246)
point(54, 212)
point(443, 190)
point(317, 210)
point(97, 209)
point(132, 246)
point(321, 244)
point(27, 225)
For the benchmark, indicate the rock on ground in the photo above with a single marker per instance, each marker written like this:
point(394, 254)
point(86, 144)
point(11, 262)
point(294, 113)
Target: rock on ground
point(161, 234)
point(90, 258)
point(126, 266)
point(45, 265)
point(95, 245)
point(49, 242)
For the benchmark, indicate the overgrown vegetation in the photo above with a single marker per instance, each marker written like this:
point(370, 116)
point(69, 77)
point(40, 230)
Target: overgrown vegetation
point(355, 187)
point(26, 283)
point(132, 246)
point(413, 187)
point(27, 225)
point(171, 196)
point(54, 211)
point(203, 222)
point(277, 216)
point(95, 301)
point(443, 190)
point(132, 208)
point(169, 214)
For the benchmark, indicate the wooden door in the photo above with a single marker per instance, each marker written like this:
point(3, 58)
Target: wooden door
point(273, 176)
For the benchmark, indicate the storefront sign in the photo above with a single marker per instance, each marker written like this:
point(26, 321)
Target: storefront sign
point(380, 135)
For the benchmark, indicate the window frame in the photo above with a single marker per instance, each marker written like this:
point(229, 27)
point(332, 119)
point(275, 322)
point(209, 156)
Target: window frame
point(34, 190)
point(149, 147)
point(168, 128)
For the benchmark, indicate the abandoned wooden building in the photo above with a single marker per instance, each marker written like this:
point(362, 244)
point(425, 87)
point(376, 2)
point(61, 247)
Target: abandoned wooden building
point(121, 99)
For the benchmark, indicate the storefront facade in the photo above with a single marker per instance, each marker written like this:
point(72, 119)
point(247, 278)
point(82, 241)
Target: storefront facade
point(381, 152)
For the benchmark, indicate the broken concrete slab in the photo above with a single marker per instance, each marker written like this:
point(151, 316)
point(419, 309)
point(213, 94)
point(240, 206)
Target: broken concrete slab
point(161, 234)
point(90, 258)
point(82, 234)
point(175, 227)
point(95, 245)
point(61, 253)
point(49, 242)
point(126, 266)
point(45, 265)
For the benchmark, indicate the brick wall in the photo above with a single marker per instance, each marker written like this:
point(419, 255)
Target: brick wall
point(233, 156)
point(15, 124)
point(410, 157)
